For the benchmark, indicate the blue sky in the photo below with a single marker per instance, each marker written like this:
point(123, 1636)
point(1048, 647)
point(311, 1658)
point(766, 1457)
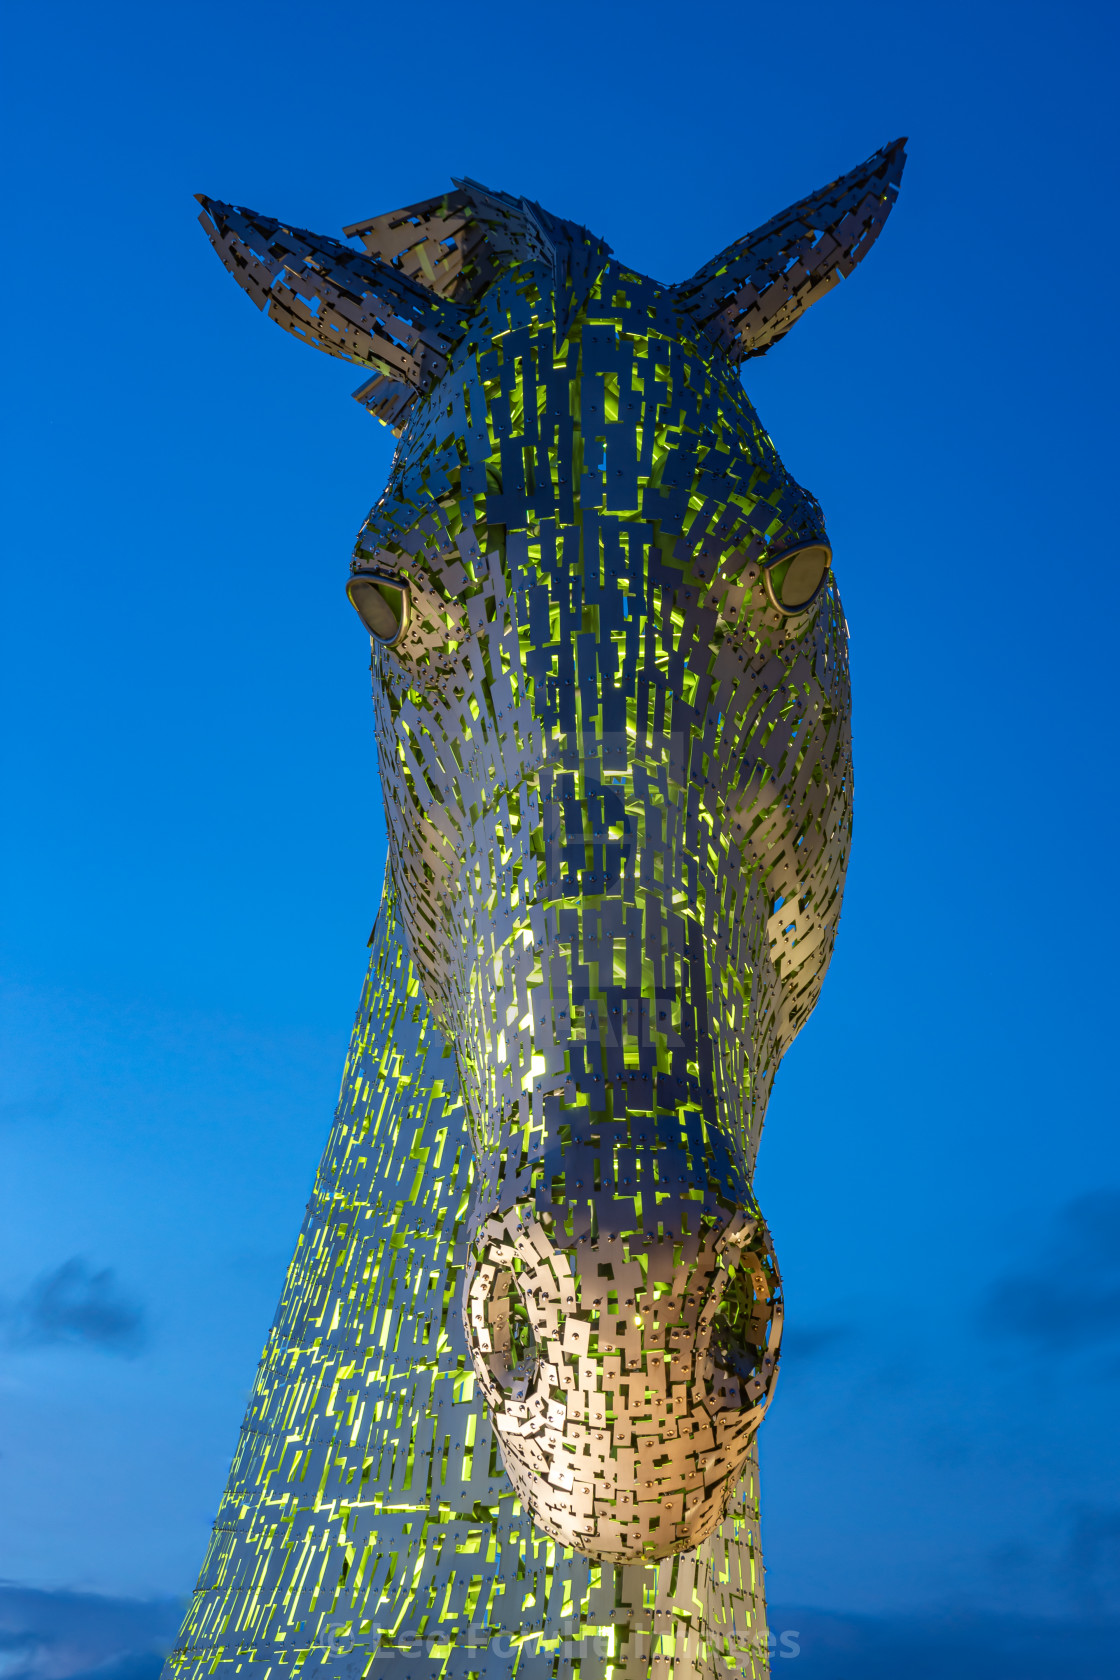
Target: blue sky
point(195, 846)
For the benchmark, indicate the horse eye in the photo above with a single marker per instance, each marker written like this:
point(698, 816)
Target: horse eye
point(381, 603)
point(793, 579)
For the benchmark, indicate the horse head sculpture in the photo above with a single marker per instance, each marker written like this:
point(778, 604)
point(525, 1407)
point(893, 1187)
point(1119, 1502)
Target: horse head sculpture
point(612, 713)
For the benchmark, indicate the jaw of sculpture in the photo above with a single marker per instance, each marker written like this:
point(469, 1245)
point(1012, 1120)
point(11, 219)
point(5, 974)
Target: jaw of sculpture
point(612, 715)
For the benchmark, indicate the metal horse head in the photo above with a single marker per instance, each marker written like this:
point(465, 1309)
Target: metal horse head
point(612, 708)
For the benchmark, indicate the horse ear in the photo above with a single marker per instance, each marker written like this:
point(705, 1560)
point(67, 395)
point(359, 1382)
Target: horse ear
point(748, 297)
point(341, 301)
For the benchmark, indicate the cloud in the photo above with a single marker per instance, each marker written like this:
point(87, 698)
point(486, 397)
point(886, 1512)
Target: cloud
point(76, 1305)
point(1070, 1292)
point(67, 1635)
point(800, 1344)
point(83, 1636)
point(1092, 1558)
point(809, 1353)
point(1078, 1553)
point(968, 1646)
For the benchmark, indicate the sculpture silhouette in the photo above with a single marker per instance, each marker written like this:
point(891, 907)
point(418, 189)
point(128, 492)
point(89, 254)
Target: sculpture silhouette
point(612, 714)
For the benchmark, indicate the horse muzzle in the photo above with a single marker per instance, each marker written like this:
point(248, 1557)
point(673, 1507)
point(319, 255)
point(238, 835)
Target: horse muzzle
point(626, 1375)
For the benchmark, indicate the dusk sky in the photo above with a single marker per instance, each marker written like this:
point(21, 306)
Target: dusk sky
point(194, 841)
